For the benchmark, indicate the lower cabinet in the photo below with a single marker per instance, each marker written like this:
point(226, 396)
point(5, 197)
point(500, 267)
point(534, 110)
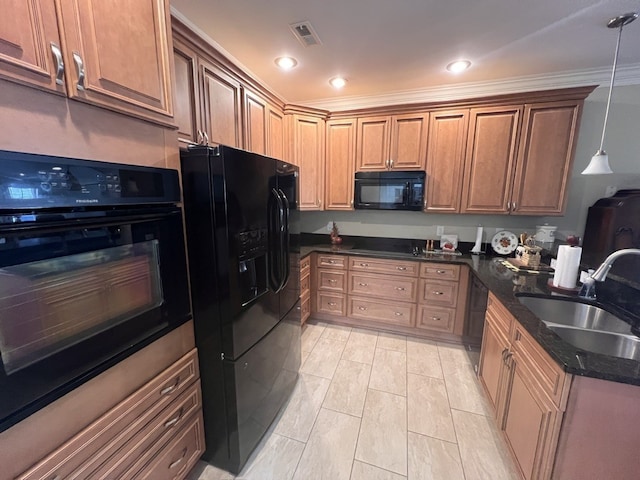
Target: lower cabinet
point(305, 289)
point(527, 390)
point(425, 299)
point(156, 433)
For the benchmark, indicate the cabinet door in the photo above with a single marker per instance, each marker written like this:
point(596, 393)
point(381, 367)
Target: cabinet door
point(275, 132)
point(530, 424)
point(255, 115)
point(491, 368)
point(187, 98)
point(308, 148)
point(222, 116)
point(340, 164)
point(28, 39)
point(490, 162)
point(445, 160)
point(117, 55)
point(545, 157)
point(409, 141)
point(372, 151)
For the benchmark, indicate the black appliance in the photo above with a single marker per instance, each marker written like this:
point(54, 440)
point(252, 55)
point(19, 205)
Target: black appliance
point(613, 223)
point(242, 220)
point(389, 190)
point(92, 269)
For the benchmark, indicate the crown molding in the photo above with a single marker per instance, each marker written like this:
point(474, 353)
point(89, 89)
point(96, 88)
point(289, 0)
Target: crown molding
point(626, 75)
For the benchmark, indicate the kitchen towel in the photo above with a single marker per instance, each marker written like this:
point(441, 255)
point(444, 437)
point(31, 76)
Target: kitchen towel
point(567, 266)
point(477, 248)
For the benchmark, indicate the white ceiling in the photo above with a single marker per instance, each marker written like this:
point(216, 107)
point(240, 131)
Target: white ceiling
point(397, 50)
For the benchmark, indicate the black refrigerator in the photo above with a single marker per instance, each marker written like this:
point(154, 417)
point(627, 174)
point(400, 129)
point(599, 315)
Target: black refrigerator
point(242, 223)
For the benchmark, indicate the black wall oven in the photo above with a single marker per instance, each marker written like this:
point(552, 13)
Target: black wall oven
point(92, 269)
point(389, 190)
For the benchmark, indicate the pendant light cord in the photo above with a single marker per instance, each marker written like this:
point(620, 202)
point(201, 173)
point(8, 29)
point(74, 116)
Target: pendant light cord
point(613, 76)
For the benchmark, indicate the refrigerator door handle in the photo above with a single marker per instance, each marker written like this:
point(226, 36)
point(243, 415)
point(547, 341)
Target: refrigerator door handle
point(275, 262)
point(286, 261)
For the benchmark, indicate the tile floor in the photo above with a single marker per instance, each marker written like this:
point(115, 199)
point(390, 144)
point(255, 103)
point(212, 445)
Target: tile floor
point(375, 406)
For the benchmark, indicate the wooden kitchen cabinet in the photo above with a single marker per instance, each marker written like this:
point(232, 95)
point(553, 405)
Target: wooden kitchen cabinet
point(329, 285)
point(340, 164)
point(305, 289)
point(396, 142)
point(187, 94)
point(117, 55)
point(545, 157)
point(442, 297)
point(307, 138)
point(255, 116)
point(91, 52)
point(221, 109)
point(445, 160)
point(490, 159)
point(29, 43)
point(275, 132)
point(527, 389)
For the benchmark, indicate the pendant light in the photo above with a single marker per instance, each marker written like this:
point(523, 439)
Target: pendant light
point(599, 163)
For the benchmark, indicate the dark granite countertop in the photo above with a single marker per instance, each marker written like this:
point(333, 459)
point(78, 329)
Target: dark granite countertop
point(505, 284)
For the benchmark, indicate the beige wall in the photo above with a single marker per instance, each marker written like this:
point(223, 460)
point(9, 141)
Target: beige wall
point(39, 122)
point(622, 144)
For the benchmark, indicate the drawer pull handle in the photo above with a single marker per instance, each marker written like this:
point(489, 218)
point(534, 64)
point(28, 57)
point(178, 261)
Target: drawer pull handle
point(175, 419)
point(399, 314)
point(435, 319)
point(178, 461)
point(440, 272)
point(401, 289)
point(332, 280)
point(332, 304)
point(363, 284)
point(437, 293)
point(362, 308)
point(402, 269)
point(364, 264)
point(169, 390)
point(331, 261)
point(80, 68)
point(57, 56)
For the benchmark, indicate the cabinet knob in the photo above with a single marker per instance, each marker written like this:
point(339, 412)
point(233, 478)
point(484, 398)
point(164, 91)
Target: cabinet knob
point(364, 264)
point(399, 314)
point(363, 284)
point(332, 304)
point(401, 289)
point(440, 272)
point(57, 57)
point(331, 280)
point(362, 308)
point(437, 293)
point(435, 319)
point(331, 261)
point(402, 269)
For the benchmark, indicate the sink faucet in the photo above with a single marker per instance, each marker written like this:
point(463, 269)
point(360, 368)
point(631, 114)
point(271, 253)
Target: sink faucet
point(602, 271)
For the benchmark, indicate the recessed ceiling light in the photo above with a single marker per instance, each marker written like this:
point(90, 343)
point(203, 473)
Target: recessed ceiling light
point(458, 66)
point(286, 63)
point(338, 82)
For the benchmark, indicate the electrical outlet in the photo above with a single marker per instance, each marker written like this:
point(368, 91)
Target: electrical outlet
point(610, 191)
point(439, 230)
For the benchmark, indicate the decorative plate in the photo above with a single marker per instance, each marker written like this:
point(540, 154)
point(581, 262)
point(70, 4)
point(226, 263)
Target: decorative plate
point(504, 242)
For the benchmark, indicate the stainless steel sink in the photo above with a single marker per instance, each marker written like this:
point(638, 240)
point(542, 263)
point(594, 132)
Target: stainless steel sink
point(560, 311)
point(614, 344)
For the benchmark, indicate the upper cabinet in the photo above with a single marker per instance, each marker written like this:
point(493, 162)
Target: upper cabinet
point(545, 157)
point(339, 164)
point(490, 159)
point(307, 151)
point(275, 132)
point(255, 114)
point(117, 55)
point(397, 142)
point(187, 95)
point(30, 47)
point(112, 54)
point(445, 160)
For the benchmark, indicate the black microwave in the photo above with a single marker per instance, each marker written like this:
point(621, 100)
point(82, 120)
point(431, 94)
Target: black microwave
point(389, 190)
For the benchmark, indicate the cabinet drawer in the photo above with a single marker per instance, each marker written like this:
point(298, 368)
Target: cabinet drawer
point(433, 292)
point(178, 456)
point(332, 280)
point(121, 422)
point(436, 318)
point(393, 313)
point(383, 286)
point(376, 265)
point(305, 265)
point(305, 308)
point(117, 457)
point(332, 304)
point(500, 316)
point(305, 284)
point(547, 373)
point(441, 271)
point(332, 261)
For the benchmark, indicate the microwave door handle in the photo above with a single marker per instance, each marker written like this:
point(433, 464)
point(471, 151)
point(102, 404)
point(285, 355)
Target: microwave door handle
point(408, 194)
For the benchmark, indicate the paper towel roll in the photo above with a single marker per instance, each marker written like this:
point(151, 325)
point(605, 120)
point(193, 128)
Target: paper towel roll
point(477, 248)
point(567, 266)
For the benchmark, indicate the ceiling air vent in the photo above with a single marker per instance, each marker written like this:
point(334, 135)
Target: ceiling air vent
point(305, 33)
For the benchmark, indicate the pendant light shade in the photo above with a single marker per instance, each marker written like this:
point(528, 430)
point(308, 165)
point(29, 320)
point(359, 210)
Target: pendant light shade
point(599, 163)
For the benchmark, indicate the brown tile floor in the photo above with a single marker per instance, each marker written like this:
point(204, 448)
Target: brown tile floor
point(375, 406)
